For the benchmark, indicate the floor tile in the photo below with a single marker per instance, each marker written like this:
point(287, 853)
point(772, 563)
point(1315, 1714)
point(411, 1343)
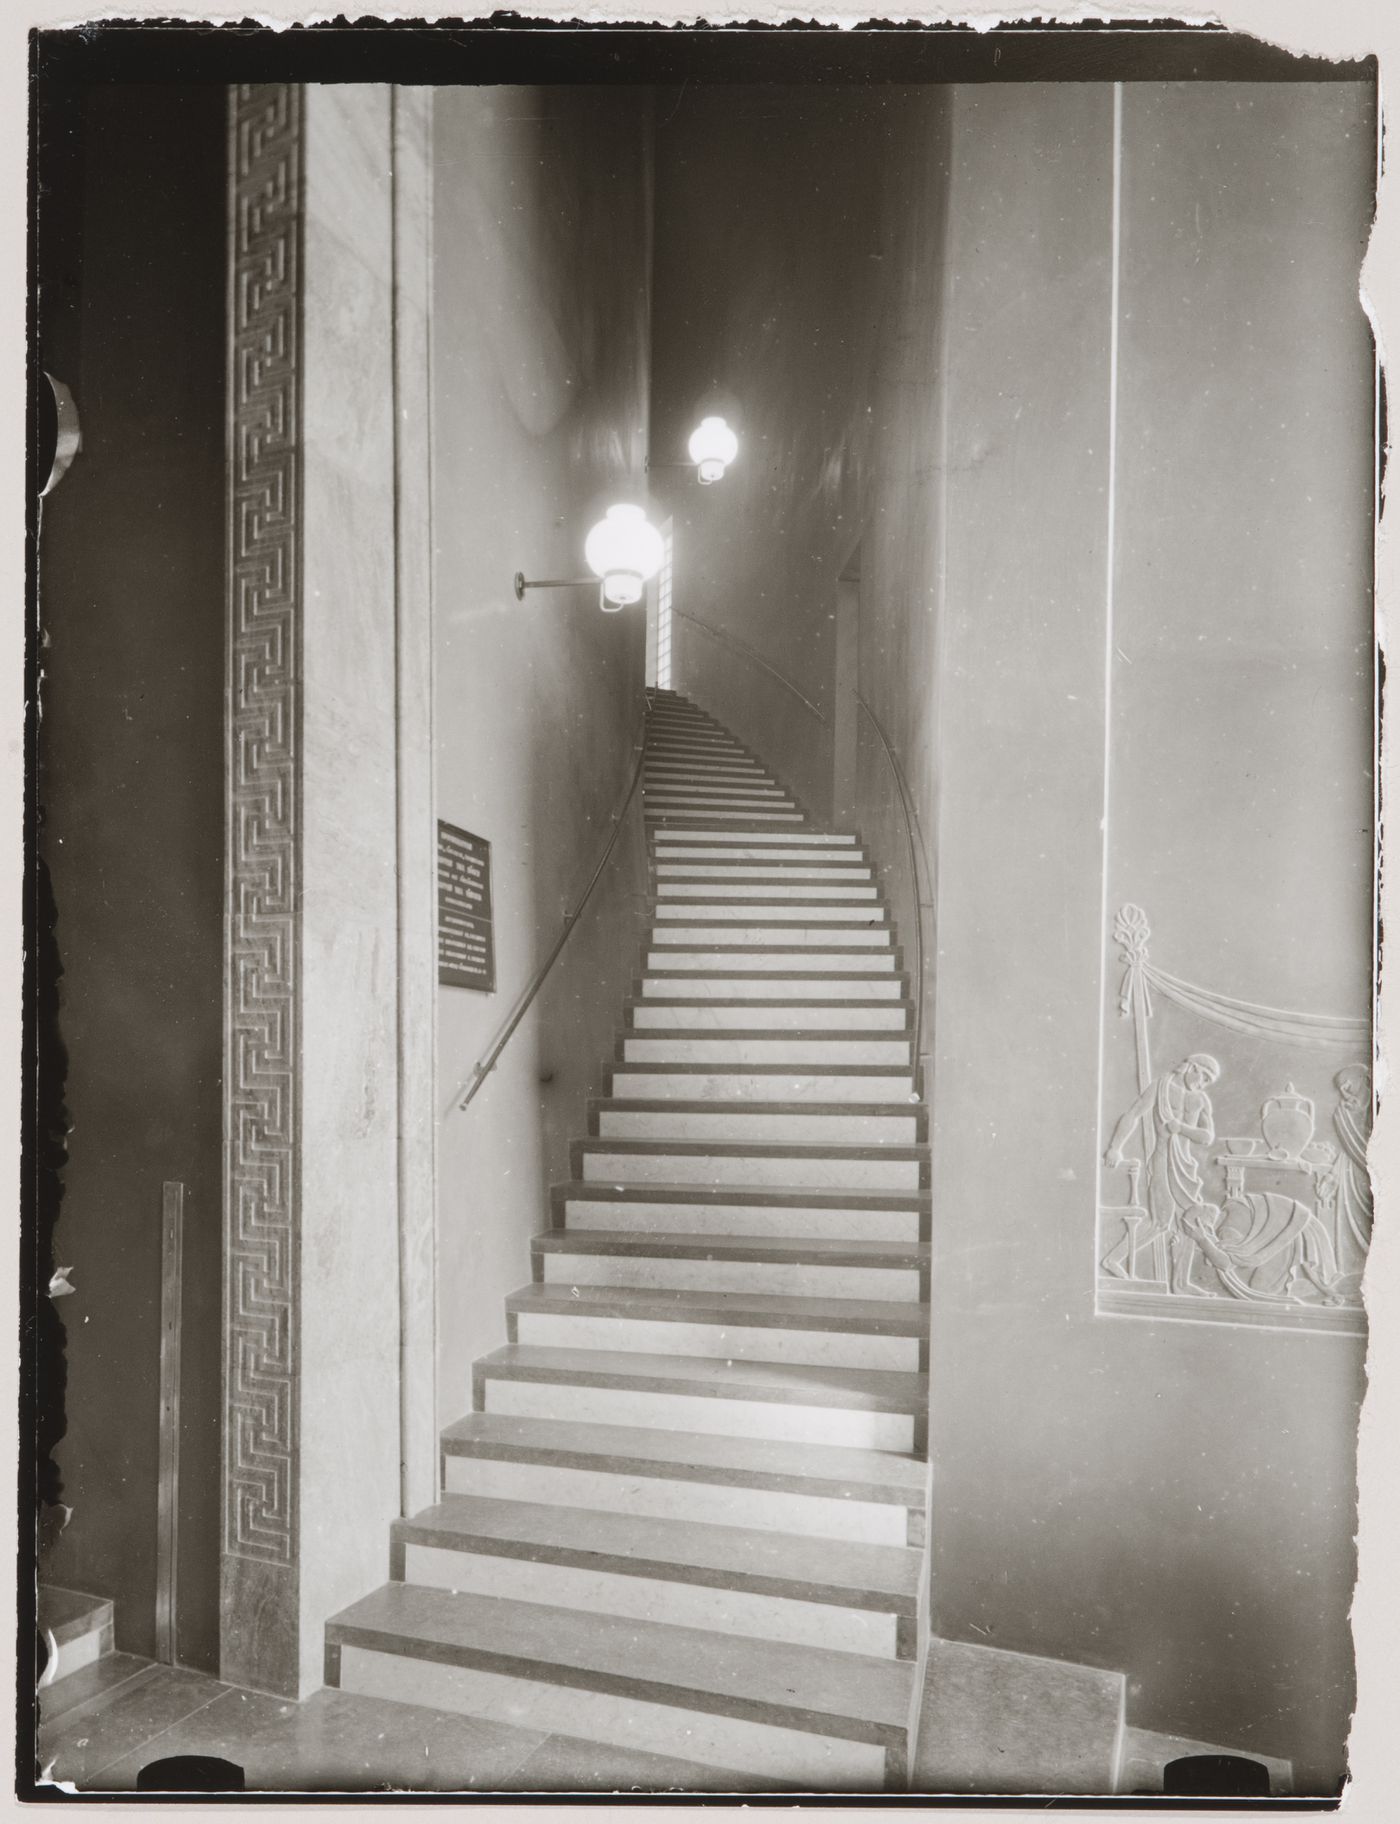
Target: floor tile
point(564, 1763)
point(339, 1742)
point(92, 1735)
point(96, 1680)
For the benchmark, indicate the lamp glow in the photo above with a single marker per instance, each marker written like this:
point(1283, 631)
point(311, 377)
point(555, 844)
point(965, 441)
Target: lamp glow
point(713, 446)
point(625, 550)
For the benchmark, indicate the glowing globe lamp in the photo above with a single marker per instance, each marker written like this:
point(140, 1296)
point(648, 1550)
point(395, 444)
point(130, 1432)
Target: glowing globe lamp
point(713, 446)
point(625, 550)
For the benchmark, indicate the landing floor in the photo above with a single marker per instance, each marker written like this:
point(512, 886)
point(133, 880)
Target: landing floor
point(101, 1732)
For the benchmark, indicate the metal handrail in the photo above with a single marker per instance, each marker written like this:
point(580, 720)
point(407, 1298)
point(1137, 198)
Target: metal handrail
point(747, 651)
point(921, 905)
point(463, 1095)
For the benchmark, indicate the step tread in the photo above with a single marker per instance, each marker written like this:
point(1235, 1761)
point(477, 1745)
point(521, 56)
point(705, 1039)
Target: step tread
point(781, 1035)
point(755, 1149)
point(735, 1310)
point(737, 1067)
point(817, 1251)
point(595, 1190)
point(864, 1698)
point(764, 1562)
point(664, 1105)
point(853, 1389)
point(817, 1469)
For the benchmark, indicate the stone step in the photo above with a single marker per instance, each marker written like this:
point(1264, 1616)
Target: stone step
point(77, 1629)
point(665, 841)
point(768, 858)
point(837, 1272)
point(743, 931)
point(840, 916)
point(996, 1722)
point(789, 1166)
point(737, 818)
point(710, 772)
point(877, 1124)
point(705, 986)
point(595, 1313)
point(691, 1081)
point(822, 1492)
point(695, 890)
point(851, 1020)
point(863, 1408)
point(857, 1047)
point(867, 959)
point(742, 1211)
point(747, 1582)
point(778, 869)
point(819, 1718)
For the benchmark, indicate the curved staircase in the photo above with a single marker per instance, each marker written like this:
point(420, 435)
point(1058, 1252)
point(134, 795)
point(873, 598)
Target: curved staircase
point(686, 1514)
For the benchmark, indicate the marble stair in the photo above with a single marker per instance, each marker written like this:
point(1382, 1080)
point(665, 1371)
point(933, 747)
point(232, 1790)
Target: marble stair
point(686, 1514)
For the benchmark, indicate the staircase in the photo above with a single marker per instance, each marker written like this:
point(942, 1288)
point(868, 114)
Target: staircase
point(686, 1514)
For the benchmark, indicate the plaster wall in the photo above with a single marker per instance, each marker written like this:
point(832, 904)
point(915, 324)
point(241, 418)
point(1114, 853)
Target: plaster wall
point(1172, 1499)
point(539, 392)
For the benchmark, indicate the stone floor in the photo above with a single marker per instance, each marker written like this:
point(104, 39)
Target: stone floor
point(96, 1733)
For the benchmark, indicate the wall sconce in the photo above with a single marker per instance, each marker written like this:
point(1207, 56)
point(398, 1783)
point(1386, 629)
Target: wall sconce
point(624, 551)
point(713, 446)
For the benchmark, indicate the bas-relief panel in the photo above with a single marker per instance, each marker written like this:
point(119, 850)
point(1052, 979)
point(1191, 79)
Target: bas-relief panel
point(1234, 1186)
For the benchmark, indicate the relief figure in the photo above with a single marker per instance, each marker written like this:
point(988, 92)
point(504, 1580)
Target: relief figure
point(1175, 1116)
point(1261, 1242)
point(1351, 1122)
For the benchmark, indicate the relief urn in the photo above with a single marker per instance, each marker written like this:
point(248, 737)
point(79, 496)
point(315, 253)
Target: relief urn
point(1287, 1121)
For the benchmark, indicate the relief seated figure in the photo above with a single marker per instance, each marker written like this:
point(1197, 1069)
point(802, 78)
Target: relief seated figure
point(1260, 1241)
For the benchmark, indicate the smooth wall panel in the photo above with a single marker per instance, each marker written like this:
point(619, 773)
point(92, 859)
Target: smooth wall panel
point(1173, 1500)
point(539, 386)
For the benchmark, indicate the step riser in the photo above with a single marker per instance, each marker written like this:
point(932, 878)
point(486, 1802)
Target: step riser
point(763, 1749)
point(748, 932)
point(741, 911)
point(822, 841)
point(71, 1655)
point(661, 1167)
point(687, 1605)
point(657, 1498)
point(727, 1342)
point(732, 1086)
point(786, 962)
point(743, 1128)
point(697, 990)
point(724, 816)
point(795, 1051)
point(722, 892)
point(770, 1277)
point(682, 858)
point(800, 1017)
point(714, 1417)
point(727, 872)
point(742, 1219)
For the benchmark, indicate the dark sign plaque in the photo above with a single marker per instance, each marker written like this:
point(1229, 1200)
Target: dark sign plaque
point(466, 940)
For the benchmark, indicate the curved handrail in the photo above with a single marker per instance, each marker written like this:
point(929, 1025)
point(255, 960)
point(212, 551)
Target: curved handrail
point(464, 1093)
point(911, 824)
point(747, 651)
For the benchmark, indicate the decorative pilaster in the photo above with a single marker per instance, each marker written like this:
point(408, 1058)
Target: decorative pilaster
point(262, 939)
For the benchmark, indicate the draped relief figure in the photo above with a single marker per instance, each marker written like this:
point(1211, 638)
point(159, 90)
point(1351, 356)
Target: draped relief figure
point(1174, 1114)
point(1351, 1122)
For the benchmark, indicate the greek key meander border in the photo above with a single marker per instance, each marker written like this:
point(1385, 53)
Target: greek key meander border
point(261, 950)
